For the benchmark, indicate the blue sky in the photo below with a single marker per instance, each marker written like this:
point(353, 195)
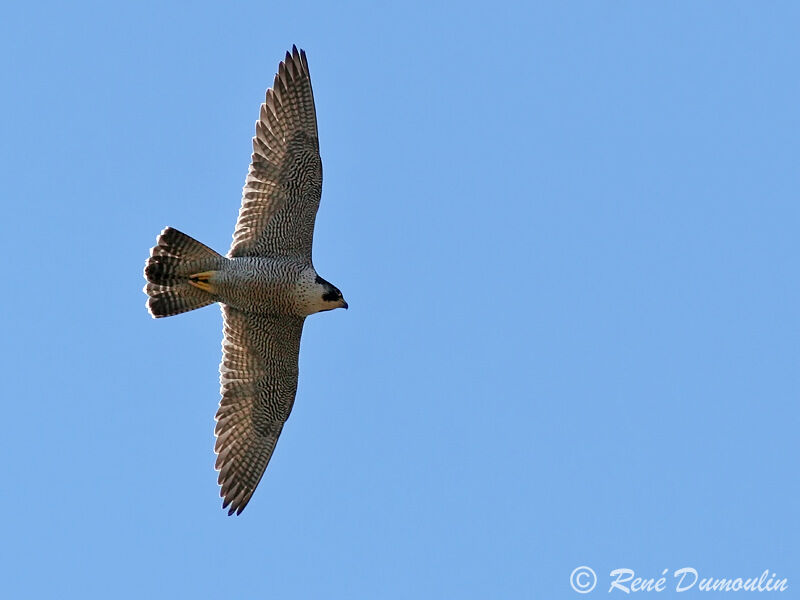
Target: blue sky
point(568, 236)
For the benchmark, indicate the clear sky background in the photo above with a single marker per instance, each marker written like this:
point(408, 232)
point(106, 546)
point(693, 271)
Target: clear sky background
point(568, 234)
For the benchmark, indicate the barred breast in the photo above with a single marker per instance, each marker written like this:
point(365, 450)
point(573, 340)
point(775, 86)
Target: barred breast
point(259, 285)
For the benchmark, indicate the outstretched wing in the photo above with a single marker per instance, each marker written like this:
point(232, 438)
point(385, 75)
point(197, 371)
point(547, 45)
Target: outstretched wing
point(258, 379)
point(282, 192)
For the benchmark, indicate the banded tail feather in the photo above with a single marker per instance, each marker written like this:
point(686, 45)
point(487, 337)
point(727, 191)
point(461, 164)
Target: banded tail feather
point(171, 272)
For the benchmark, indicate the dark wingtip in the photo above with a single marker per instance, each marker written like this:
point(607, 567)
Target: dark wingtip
point(235, 509)
point(298, 57)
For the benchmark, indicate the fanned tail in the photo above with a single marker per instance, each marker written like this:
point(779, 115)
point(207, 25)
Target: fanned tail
point(172, 274)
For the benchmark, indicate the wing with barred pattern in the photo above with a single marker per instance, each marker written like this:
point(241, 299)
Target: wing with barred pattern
point(284, 184)
point(258, 380)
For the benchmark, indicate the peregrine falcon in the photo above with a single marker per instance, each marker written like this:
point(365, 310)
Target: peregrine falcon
point(266, 284)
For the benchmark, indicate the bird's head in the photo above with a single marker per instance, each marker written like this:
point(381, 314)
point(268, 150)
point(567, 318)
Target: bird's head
point(326, 296)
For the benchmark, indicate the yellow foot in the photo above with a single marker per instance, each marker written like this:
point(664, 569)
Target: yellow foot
point(202, 281)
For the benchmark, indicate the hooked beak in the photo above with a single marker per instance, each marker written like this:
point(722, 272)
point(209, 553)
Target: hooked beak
point(344, 304)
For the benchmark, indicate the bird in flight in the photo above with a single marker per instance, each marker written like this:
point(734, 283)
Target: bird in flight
point(266, 284)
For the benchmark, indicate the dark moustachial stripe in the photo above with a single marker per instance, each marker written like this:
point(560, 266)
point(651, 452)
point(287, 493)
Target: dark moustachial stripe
point(331, 296)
